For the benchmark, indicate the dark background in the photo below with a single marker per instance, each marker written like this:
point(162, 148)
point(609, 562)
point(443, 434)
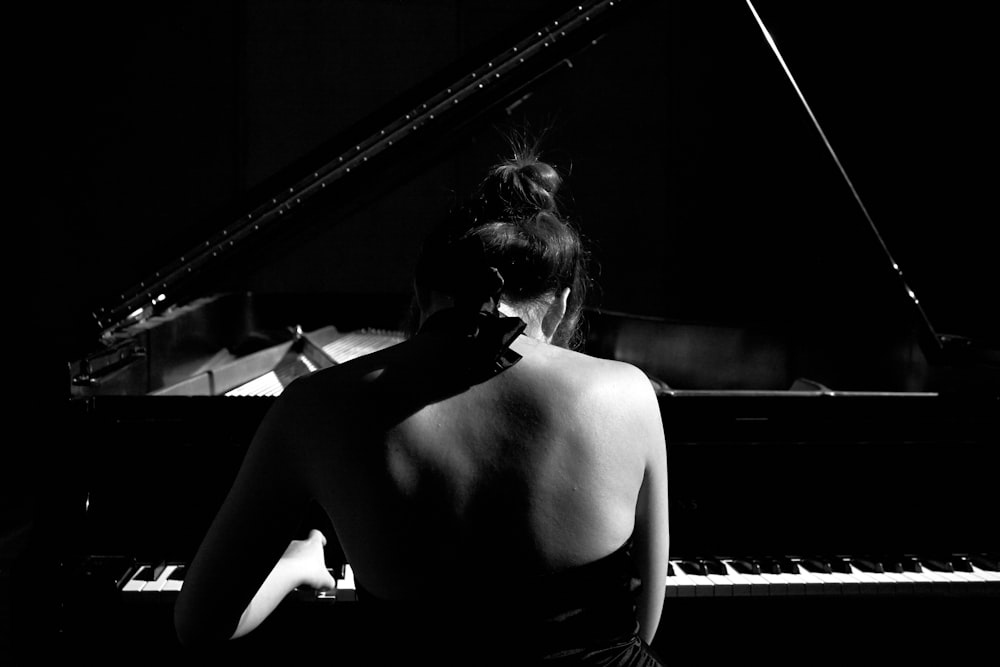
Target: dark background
point(693, 167)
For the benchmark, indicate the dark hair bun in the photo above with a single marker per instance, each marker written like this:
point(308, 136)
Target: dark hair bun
point(527, 181)
point(509, 240)
point(516, 189)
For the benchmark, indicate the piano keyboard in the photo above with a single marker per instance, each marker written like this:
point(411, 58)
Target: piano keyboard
point(952, 575)
point(958, 574)
point(162, 581)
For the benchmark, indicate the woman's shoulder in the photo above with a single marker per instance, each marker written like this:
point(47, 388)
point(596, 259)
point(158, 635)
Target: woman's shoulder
point(564, 360)
point(586, 377)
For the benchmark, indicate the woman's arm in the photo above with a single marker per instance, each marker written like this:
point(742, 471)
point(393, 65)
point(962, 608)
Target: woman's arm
point(249, 535)
point(652, 527)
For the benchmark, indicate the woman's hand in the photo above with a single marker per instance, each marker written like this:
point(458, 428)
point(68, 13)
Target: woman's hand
point(306, 562)
point(302, 564)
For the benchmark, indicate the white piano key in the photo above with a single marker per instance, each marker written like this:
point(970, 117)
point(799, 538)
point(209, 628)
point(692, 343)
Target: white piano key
point(900, 583)
point(986, 575)
point(741, 586)
point(811, 584)
point(346, 589)
point(136, 582)
point(956, 581)
point(759, 587)
point(944, 582)
point(777, 586)
point(703, 586)
point(174, 585)
point(849, 584)
point(969, 581)
point(836, 583)
point(868, 582)
point(990, 579)
point(724, 586)
point(669, 589)
point(157, 584)
point(795, 583)
point(872, 583)
point(682, 586)
point(977, 581)
point(923, 583)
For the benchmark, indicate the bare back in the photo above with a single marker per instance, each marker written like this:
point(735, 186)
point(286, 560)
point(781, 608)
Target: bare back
point(536, 469)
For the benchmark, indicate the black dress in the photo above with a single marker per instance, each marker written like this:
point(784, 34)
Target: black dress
point(581, 616)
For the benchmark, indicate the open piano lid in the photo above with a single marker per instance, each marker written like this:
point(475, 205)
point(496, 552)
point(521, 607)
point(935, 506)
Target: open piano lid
point(737, 226)
point(779, 252)
point(412, 131)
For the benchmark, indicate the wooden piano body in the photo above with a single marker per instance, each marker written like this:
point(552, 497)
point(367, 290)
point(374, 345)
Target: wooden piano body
point(831, 480)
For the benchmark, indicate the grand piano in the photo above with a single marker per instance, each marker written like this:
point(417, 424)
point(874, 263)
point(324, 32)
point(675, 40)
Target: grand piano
point(832, 454)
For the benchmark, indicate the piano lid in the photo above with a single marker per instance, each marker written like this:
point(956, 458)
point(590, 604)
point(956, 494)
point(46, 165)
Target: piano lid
point(416, 125)
point(710, 198)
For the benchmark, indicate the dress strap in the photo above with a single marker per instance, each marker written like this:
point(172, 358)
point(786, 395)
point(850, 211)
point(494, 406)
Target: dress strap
point(482, 337)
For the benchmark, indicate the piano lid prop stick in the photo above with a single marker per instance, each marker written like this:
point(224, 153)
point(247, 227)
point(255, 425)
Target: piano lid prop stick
point(930, 341)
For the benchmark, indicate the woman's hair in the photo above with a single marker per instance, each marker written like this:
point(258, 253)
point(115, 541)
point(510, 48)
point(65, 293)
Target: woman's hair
point(510, 240)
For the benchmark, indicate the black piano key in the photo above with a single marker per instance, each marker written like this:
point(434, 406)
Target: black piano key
point(150, 572)
point(715, 566)
point(908, 563)
point(787, 565)
point(178, 573)
point(961, 563)
point(692, 567)
point(937, 564)
point(892, 564)
point(745, 566)
point(876, 564)
point(769, 566)
point(990, 562)
point(816, 565)
point(784, 566)
point(869, 564)
point(855, 585)
point(839, 564)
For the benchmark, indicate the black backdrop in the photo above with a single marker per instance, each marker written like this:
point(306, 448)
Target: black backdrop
point(693, 167)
